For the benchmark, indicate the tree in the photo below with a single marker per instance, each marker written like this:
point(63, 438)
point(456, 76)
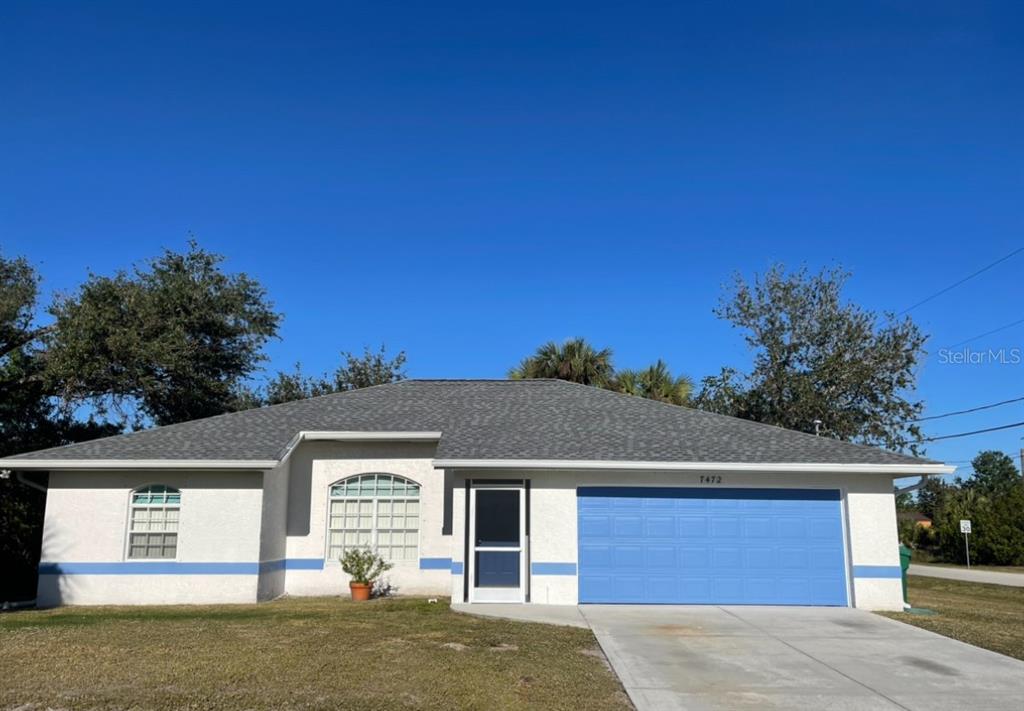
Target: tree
point(29, 419)
point(578, 361)
point(994, 474)
point(574, 360)
point(904, 501)
point(997, 529)
point(171, 341)
point(931, 496)
point(655, 382)
point(817, 357)
point(371, 368)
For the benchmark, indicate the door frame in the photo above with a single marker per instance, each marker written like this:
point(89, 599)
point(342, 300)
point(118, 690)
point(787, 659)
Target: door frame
point(496, 595)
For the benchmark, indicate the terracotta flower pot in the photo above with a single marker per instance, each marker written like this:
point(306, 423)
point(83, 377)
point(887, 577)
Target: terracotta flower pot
point(360, 591)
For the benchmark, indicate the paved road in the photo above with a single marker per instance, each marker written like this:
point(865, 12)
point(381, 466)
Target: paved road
point(673, 657)
point(970, 576)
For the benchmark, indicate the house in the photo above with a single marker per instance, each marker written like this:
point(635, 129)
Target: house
point(916, 517)
point(533, 491)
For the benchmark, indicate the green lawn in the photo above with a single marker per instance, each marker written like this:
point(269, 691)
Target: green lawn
point(989, 616)
point(323, 653)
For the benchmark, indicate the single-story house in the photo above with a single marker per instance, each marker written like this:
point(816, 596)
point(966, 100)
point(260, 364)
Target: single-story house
point(918, 518)
point(530, 491)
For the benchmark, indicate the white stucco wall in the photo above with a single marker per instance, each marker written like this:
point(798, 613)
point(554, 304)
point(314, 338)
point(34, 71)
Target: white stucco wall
point(273, 526)
point(868, 506)
point(276, 521)
point(317, 465)
point(86, 523)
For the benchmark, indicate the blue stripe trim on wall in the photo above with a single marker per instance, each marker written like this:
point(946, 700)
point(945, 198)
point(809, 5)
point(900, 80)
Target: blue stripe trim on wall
point(176, 568)
point(149, 568)
point(553, 568)
point(456, 567)
point(877, 571)
point(435, 563)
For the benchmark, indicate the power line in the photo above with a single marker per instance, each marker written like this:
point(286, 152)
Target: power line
point(987, 333)
point(965, 279)
point(973, 432)
point(964, 412)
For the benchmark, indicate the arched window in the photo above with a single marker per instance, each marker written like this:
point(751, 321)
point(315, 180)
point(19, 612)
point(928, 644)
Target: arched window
point(381, 511)
point(153, 522)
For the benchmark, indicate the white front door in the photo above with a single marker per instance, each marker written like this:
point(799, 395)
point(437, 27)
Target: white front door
point(497, 566)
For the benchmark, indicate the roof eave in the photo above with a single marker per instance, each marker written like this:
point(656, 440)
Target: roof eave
point(107, 464)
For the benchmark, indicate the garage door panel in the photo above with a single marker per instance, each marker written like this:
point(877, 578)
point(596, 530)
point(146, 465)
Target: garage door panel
point(660, 526)
point(760, 558)
point(594, 526)
point(693, 526)
point(724, 546)
point(725, 527)
point(726, 558)
point(628, 526)
point(757, 527)
point(661, 557)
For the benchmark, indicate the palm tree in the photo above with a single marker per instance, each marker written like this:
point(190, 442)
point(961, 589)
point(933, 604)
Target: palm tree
point(658, 383)
point(654, 383)
point(574, 360)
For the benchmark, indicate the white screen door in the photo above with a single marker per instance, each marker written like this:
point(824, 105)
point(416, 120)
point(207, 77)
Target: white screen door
point(497, 533)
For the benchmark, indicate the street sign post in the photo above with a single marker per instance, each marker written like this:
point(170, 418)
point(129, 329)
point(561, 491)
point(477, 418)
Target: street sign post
point(965, 528)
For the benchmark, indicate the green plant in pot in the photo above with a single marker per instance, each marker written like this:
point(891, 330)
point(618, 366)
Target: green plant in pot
point(363, 566)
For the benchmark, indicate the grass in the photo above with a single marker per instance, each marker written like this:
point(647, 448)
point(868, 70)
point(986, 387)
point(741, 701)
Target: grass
point(989, 616)
point(298, 653)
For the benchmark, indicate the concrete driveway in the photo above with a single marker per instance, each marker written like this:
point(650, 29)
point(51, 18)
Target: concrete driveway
point(690, 657)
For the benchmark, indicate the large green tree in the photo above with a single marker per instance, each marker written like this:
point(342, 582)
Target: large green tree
point(356, 371)
point(168, 341)
point(30, 418)
point(994, 474)
point(819, 357)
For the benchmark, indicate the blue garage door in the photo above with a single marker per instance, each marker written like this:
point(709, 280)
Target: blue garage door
point(721, 546)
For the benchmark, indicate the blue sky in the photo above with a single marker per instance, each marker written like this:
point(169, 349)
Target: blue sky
point(465, 182)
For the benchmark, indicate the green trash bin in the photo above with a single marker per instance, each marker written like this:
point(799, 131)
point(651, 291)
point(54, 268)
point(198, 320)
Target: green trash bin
point(904, 564)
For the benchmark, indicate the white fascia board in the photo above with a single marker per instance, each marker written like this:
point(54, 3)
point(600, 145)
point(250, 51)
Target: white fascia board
point(75, 464)
point(354, 436)
point(896, 470)
point(347, 436)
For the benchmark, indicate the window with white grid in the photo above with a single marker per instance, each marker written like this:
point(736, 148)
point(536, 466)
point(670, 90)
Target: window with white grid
point(153, 522)
point(379, 511)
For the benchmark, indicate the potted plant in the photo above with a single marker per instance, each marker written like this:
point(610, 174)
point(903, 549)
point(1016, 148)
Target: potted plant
point(363, 566)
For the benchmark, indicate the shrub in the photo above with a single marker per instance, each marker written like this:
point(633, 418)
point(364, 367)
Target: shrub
point(363, 565)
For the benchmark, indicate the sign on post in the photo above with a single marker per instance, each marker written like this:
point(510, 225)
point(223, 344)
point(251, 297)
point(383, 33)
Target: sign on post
point(965, 528)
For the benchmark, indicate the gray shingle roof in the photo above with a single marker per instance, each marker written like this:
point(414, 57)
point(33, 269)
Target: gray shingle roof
point(489, 419)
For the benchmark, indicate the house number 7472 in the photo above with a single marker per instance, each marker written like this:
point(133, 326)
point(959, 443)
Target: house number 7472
point(710, 479)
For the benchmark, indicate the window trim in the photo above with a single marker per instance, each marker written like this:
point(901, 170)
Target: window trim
point(332, 561)
point(128, 524)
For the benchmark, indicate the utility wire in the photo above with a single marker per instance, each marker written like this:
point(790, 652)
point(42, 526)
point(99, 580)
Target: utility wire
point(964, 412)
point(965, 279)
point(987, 333)
point(973, 432)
